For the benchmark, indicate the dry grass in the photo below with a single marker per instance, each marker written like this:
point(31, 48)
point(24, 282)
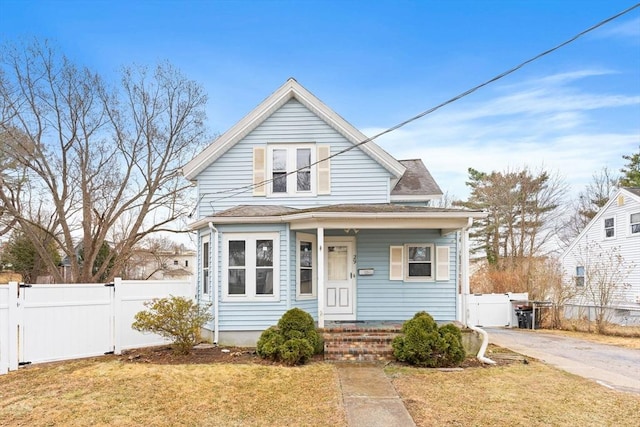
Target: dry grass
point(105, 391)
point(515, 395)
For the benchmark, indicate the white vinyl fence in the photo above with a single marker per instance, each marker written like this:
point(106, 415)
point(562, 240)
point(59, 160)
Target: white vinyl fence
point(44, 323)
point(494, 309)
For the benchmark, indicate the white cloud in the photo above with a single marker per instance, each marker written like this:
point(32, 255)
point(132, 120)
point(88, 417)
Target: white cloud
point(628, 29)
point(550, 122)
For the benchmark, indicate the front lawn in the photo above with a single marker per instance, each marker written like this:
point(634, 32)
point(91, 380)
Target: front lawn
point(107, 391)
point(518, 394)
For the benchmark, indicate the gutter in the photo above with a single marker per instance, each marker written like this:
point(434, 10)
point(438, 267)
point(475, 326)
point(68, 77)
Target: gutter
point(214, 279)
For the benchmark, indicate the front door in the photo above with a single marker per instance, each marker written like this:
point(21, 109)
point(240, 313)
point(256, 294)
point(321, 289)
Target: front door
point(340, 264)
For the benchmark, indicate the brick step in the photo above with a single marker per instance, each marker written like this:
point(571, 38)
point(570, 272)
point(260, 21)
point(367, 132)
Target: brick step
point(359, 345)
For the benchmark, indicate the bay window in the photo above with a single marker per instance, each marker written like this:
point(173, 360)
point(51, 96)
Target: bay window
point(251, 266)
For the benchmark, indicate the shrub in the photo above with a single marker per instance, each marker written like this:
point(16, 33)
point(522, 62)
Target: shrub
point(179, 319)
point(293, 341)
point(422, 343)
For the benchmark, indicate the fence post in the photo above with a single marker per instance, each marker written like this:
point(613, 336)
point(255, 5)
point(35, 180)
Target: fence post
point(117, 315)
point(14, 313)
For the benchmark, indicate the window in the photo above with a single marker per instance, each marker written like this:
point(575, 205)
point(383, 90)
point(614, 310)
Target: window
point(175, 262)
point(420, 262)
point(251, 266)
point(291, 169)
point(634, 220)
point(306, 259)
point(609, 228)
point(186, 263)
point(205, 266)
point(580, 276)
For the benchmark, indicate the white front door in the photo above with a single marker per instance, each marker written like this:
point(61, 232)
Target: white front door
point(340, 279)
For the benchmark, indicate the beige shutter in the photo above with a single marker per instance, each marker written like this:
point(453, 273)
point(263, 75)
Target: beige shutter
point(396, 262)
point(442, 262)
point(324, 169)
point(259, 171)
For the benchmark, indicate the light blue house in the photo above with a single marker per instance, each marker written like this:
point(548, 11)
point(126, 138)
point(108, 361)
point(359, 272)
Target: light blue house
point(296, 209)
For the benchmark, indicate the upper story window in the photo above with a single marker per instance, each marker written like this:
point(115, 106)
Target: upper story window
point(634, 220)
point(282, 170)
point(291, 170)
point(609, 228)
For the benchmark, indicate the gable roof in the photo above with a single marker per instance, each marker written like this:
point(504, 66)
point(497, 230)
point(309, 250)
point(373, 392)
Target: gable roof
point(416, 183)
point(631, 192)
point(291, 89)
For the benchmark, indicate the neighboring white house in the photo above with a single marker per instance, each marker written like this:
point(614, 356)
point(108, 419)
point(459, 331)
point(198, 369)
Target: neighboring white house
point(613, 232)
point(177, 264)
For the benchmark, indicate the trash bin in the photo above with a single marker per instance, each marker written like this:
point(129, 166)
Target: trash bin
point(525, 315)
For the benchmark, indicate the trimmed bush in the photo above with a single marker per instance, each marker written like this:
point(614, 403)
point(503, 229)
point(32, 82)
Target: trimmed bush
point(293, 341)
point(422, 343)
point(179, 319)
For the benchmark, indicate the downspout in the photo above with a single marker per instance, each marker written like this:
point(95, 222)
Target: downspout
point(465, 295)
point(214, 279)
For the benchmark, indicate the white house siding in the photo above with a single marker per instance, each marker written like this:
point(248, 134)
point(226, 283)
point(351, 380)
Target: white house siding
point(378, 298)
point(355, 177)
point(629, 244)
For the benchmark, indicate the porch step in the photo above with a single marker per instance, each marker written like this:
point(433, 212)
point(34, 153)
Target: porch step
point(359, 344)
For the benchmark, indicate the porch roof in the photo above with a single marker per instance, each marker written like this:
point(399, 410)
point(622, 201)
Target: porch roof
point(365, 216)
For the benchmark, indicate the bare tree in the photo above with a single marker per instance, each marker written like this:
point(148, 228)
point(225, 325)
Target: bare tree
point(595, 195)
point(606, 272)
point(98, 158)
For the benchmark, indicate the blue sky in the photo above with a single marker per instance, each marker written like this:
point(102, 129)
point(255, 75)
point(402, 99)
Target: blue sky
point(377, 63)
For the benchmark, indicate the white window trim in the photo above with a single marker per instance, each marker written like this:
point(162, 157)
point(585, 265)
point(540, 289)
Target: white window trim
point(604, 228)
point(250, 289)
point(408, 278)
point(292, 189)
point(631, 234)
point(205, 255)
point(303, 237)
point(583, 276)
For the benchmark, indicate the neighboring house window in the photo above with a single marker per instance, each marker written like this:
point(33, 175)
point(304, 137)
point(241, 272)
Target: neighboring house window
point(634, 219)
point(205, 265)
point(251, 266)
point(579, 275)
point(305, 266)
point(609, 228)
point(291, 170)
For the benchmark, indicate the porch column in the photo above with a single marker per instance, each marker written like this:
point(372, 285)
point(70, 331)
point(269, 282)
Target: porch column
point(464, 272)
point(321, 272)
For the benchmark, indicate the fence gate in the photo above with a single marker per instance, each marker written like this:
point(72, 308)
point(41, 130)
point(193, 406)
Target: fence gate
point(57, 322)
point(493, 309)
point(45, 323)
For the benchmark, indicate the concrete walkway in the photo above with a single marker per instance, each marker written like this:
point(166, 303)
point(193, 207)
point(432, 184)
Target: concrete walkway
point(613, 367)
point(370, 399)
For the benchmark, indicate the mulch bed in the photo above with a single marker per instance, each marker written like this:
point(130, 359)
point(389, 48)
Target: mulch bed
point(207, 354)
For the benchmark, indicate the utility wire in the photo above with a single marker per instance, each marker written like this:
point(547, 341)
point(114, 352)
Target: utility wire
point(244, 189)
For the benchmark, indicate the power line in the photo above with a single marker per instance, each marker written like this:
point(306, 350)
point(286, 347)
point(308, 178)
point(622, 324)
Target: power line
point(244, 189)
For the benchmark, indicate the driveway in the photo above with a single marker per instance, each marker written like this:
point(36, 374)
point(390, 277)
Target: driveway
point(614, 367)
